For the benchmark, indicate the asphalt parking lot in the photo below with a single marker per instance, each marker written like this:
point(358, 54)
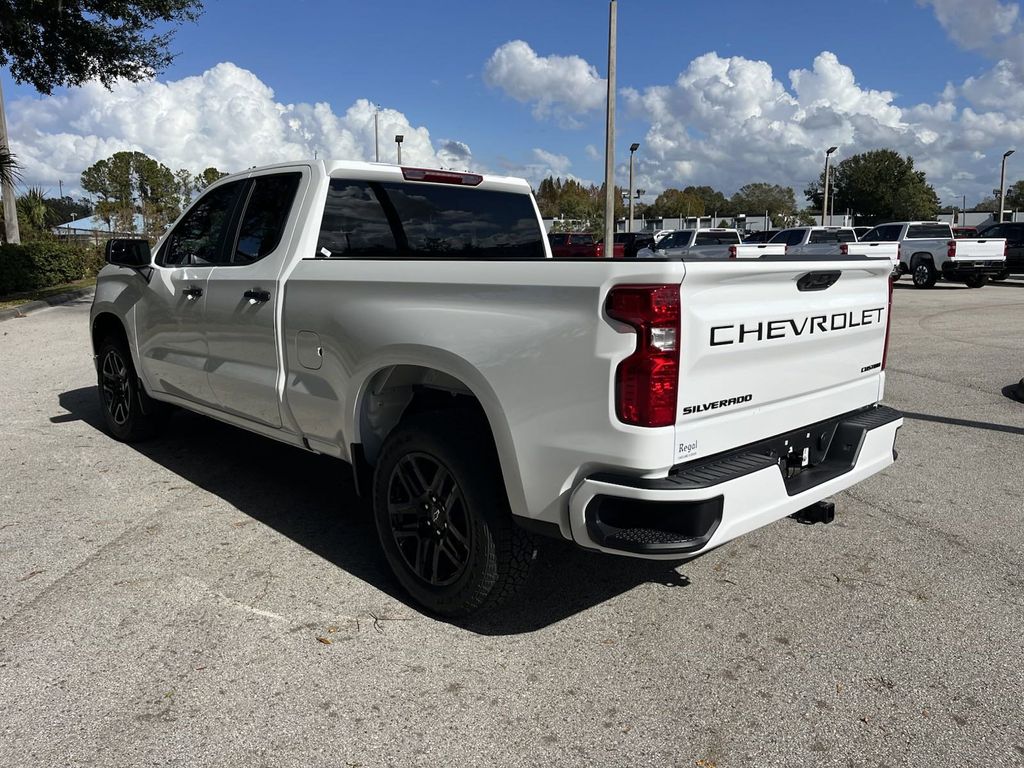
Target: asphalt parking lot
point(216, 599)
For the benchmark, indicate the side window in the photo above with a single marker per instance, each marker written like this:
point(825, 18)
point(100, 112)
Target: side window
point(796, 237)
point(199, 237)
point(558, 239)
point(780, 237)
point(355, 224)
point(265, 216)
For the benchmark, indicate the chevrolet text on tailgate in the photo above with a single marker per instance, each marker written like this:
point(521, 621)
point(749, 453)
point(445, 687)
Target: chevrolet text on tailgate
point(413, 324)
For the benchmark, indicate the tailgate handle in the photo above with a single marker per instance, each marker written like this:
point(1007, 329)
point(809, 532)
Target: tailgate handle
point(817, 281)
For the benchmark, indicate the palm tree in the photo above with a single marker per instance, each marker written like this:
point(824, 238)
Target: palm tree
point(33, 211)
point(8, 167)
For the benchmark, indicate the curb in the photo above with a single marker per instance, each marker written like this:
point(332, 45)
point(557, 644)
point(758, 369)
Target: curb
point(49, 301)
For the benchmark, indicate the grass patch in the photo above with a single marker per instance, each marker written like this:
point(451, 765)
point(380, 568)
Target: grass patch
point(17, 299)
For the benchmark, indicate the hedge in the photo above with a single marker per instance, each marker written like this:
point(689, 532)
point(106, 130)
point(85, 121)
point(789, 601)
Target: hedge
point(31, 266)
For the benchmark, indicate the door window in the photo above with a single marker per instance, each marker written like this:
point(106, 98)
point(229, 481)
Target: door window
point(265, 216)
point(198, 240)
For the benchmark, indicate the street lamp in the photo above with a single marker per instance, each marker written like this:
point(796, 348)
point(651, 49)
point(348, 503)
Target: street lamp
point(399, 138)
point(824, 195)
point(1002, 185)
point(632, 148)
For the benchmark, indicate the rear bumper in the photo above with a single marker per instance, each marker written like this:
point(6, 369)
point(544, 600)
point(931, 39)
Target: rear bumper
point(704, 504)
point(958, 269)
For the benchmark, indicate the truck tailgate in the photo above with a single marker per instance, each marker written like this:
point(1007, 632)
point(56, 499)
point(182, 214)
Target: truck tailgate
point(759, 250)
point(972, 249)
point(876, 250)
point(770, 346)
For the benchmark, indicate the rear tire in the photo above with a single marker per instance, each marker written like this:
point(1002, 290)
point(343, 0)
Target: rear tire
point(443, 517)
point(976, 281)
point(1002, 275)
point(131, 415)
point(924, 274)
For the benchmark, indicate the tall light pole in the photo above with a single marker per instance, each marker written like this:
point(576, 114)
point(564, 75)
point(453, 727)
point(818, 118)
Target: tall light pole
point(824, 195)
point(376, 133)
point(399, 138)
point(1002, 184)
point(632, 148)
point(609, 140)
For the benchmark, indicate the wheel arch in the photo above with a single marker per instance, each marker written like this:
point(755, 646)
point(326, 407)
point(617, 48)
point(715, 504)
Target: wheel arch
point(394, 393)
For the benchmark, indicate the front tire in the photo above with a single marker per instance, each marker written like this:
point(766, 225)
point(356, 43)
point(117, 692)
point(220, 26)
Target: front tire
point(976, 281)
point(924, 274)
point(129, 412)
point(443, 518)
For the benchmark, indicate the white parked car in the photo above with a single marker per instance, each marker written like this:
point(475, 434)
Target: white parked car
point(413, 324)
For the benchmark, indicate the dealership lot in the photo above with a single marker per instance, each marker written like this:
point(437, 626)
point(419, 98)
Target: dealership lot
point(212, 598)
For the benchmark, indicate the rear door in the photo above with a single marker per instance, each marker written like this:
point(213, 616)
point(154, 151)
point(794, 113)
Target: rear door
point(243, 295)
point(770, 346)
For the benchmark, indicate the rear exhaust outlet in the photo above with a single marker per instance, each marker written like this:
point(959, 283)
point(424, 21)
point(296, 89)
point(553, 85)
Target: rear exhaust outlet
point(822, 512)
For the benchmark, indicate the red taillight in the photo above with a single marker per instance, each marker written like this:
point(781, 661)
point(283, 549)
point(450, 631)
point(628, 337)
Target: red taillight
point(647, 382)
point(844, 249)
point(732, 251)
point(441, 177)
point(888, 325)
point(951, 249)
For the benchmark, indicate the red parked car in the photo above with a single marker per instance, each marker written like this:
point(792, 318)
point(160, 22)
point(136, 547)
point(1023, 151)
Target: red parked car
point(569, 244)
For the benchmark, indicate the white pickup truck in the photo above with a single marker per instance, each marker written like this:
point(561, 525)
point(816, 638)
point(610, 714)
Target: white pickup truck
point(708, 244)
point(413, 324)
point(927, 251)
point(814, 241)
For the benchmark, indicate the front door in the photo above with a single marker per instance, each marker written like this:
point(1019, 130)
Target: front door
point(170, 321)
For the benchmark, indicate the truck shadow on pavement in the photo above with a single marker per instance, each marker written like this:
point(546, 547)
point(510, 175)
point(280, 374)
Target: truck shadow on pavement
point(312, 500)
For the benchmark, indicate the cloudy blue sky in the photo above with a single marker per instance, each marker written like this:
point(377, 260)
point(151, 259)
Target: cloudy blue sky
point(716, 93)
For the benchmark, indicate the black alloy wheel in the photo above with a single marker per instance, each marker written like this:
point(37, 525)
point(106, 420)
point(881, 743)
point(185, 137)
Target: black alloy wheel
point(129, 412)
point(443, 518)
point(429, 519)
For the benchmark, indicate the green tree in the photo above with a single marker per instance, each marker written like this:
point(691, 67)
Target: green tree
point(880, 185)
point(779, 201)
point(49, 44)
point(713, 200)
point(207, 177)
point(34, 214)
point(1015, 196)
point(131, 182)
point(69, 42)
point(674, 203)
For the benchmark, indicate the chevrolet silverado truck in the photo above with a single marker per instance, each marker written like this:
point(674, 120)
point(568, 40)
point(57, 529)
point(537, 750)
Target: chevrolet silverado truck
point(413, 324)
point(928, 251)
point(814, 241)
point(708, 244)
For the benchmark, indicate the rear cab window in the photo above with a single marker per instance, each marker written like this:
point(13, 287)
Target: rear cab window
point(929, 232)
point(717, 238)
point(402, 220)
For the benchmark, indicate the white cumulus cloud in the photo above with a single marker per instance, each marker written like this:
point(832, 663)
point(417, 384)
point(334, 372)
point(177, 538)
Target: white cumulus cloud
point(226, 118)
point(558, 86)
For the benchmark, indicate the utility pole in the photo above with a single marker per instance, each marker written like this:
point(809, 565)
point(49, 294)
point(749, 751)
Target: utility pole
point(12, 234)
point(609, 144)
point(376, 133)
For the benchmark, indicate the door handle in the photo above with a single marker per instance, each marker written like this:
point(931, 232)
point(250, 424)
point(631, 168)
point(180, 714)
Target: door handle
point(192, 293)
point(256, 296)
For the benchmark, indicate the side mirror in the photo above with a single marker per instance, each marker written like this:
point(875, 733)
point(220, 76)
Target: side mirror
point(133, 253)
